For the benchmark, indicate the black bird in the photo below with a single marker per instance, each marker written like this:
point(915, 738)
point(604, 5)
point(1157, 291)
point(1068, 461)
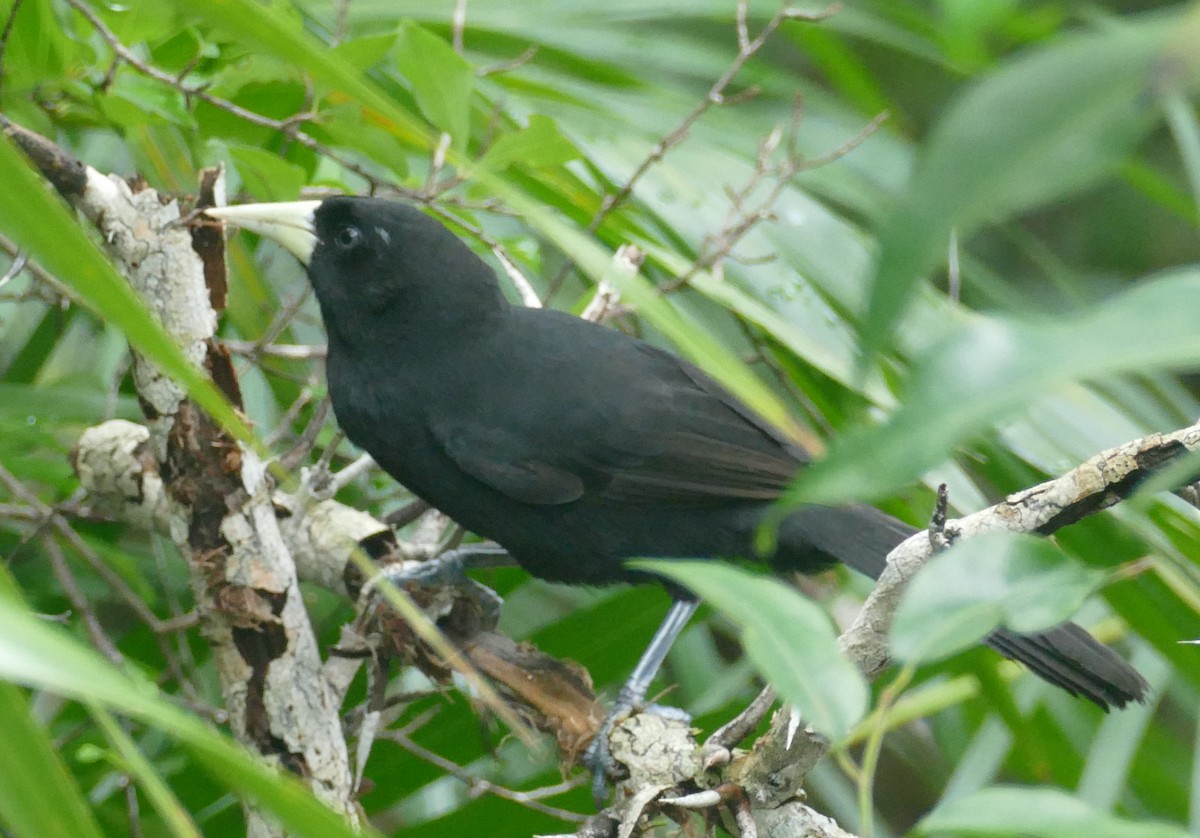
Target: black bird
point(573, 446)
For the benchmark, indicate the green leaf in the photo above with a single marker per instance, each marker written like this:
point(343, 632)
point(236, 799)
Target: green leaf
point(271, 30)
point(40, 224)
point(789, 639)
point(136, 765)
point(994, 365)
point(135, 99)
point(37, 654)
point(1032, 813)
point(61, 403)
point(1045, 125)
point(961, 595)
point(367, 51)
point(38, 796)
point(266, 175)
point(537, 145)
point(779, 328)
point(441, 80)
point(346, 125)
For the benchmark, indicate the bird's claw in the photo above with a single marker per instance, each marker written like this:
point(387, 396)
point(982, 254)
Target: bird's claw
point(447, 570)
point(598, 758)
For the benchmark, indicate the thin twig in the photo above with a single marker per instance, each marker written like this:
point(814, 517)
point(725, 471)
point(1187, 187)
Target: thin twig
point(79, 601)
point(291, 351)
point(284, 426)
point(62, 292)
point(289, 126)
point(308, 438)
point(716, 95)
point(524, 288)
point(477, 785)
point(14, 270)
point(351, 473)
point(458, 24)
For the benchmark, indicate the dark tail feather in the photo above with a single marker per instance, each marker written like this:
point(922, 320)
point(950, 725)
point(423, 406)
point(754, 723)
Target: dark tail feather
point(861, 537)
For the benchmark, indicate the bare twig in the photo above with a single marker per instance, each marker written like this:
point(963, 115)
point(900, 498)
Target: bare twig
point(339, 24)
point(59, 291)
point(717, 95)
point(308, 438)
point(478, 786)
point(524, 288)
point(350, 473)
point(743, 215)
point(508, 66)
point(14, 270)
point(457, 24)
point(288, 126)
point(290, 351)
point(79, 601)
point(742, 725)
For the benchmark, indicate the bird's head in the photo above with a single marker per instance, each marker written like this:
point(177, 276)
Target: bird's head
point(376, 265)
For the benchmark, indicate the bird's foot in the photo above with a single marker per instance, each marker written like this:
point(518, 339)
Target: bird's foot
point(598, 758)
point(450, 570)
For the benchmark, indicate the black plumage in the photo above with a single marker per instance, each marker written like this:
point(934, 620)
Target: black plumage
point(573, 446)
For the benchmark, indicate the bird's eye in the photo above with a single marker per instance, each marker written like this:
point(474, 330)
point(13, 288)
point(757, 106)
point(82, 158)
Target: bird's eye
point(347, 238)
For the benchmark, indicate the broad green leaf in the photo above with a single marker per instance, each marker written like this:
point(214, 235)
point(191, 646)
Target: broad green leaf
point(993, 366)
point(1021, 812)
point(38, 797)
point(1112, 756)
point(135, 99)
point(441, 80)
point(266, 175)
point(63, 403)
point(780, 329)
point(37, 654)
point(363, 53)
point(538, 144)
point(39, 223)
point(346, 125)
point(963, 594)
point(789, 639)
point(1047, 124)
point(272, 30)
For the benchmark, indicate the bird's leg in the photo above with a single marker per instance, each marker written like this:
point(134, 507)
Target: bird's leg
point(450, 569)
point(633, 693)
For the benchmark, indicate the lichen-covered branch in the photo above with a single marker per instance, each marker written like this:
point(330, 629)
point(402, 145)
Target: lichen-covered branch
point(212, 496)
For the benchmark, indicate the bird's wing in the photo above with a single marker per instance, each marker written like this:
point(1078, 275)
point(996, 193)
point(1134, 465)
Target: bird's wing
point(635, 426)
point(496, 457)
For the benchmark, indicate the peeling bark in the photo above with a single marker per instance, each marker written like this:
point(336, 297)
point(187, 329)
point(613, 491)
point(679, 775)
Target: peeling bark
point(185, 475)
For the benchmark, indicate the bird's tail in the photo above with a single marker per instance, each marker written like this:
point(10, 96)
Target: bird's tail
point(861, 537)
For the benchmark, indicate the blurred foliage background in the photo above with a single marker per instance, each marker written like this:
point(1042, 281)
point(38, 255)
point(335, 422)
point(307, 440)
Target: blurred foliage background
point(1035, 180)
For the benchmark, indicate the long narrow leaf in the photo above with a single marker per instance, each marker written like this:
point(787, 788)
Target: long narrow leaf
point(38, 797)
point(37, 654)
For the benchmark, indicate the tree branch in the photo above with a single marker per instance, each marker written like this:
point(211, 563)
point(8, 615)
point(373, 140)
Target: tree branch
point(210, 495)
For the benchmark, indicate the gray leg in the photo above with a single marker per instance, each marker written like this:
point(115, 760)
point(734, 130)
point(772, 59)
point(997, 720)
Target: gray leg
point(633, 693)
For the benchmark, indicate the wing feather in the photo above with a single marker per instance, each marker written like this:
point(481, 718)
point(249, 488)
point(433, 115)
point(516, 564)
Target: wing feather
point(641, 426)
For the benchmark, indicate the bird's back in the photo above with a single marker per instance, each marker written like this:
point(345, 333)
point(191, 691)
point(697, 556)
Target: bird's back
point(572, 445)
